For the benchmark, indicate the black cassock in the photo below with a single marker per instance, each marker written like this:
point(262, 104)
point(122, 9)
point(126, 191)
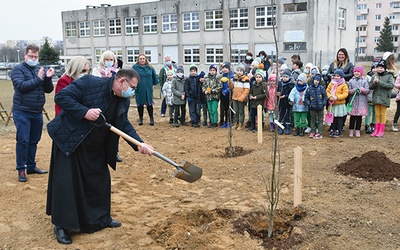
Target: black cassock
point(79, 188)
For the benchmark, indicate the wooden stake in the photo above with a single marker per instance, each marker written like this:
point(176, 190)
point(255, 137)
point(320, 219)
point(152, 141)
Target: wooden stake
point(298, 175)
point(259, 123)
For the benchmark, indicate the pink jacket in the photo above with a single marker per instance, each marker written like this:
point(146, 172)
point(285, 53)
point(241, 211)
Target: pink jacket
point(271, 100)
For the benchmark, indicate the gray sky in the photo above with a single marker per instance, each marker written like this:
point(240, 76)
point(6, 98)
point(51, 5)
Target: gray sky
point(32, 20)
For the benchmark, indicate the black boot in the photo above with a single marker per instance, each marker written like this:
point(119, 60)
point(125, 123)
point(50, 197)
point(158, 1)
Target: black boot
point(297, 132)
point(302, 131)
point(368, 129)
point(140, 111)
point(150, 111)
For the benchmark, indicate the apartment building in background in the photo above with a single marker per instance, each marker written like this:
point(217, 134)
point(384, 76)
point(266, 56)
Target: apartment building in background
point(205, 32)
point(370, 19)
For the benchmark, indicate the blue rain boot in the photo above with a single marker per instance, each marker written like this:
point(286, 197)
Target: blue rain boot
point(287, 129)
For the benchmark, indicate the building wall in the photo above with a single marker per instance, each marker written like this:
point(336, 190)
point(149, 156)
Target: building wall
point(317, 27)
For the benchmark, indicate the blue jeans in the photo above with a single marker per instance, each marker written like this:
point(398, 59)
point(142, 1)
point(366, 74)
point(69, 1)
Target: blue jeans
point(29, 131)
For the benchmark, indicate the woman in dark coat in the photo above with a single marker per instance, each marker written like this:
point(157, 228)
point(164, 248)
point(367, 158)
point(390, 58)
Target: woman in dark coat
point(79, 187)
point(144, 91)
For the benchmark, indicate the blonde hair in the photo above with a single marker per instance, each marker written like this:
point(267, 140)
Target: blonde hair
point(390, 61)
point(75, 66)
point(107, 54)
point(147, 61)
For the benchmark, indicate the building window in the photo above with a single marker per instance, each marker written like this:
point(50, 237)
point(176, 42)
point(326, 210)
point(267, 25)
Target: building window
point(360, 39)
point(191, 21)
point(378, 17)
point(214, 54)
point(265, 16)
point(169, 23)
point(342, 18)
point(150, 24)
point(295, 7)
point(117, 52)
point(70, 29)
point(151, 54)
point(97, 53)
point(362, 6)
point(191, 54)
point(239, 18)
point(395, 5)
point(361, 50)
point(297, 46)
point(238, 54)
point(378, 5)
point(377, 28)
point(84, 29)
point(132, 55)
point(393, 16)
point(395, 38)
point(361, 18)
point(395, 27)
point(114, 26)
point(131, 25)
point(362, 28)
point(99, 28)
point(376, 39)
point(214, 20)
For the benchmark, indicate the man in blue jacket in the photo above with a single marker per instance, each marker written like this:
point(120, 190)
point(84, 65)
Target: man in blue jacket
point(30, 83)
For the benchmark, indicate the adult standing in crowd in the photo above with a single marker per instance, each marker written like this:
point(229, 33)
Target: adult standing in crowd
point(265, 61)
point(247, 62)
point(76, 68)
point(144, 91)
point(162, 78)
point(79, 187)
point(30, 83)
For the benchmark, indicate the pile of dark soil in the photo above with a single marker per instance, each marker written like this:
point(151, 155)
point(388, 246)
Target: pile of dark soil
point(371, 166)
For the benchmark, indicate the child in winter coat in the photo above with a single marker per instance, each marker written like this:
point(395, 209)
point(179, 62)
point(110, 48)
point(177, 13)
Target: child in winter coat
point(382, 84)
point(241, 89)
point(193, 92)
point(315, 99)
point(258, 93)
point(227, 86)
point(202, 100)
point(284, 87)
point(300, 109)
point(271, 100)
point(358, 86)
point(178, 89)
point(212, 88)
point(168, 95)
point(370, 118)
point(337, 92)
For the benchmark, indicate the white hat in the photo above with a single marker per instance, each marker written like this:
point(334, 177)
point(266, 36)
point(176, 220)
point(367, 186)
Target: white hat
point(386, 55)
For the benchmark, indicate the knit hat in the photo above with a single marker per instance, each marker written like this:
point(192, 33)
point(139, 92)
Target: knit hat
point(339, 72)
point(283, 67)
point(287, 72)
point(180, 69)
point(281, 60)
point(308, 65)
point(382, 63)
point(240, 67)
point(226, 65)
point(192, 67)
point(249, 54)
point(302, 77)
point(317, 77)
point(260, 72)
point(202, 74)
point(386, 55)
point(359, 69)
point(325, 69)
point(213, 66)
point(272, 77)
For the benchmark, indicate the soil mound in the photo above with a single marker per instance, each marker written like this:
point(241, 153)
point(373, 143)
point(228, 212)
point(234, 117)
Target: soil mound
point(371, 166)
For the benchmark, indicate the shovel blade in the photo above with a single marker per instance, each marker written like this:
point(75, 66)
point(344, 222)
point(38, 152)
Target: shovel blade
point(189, 172)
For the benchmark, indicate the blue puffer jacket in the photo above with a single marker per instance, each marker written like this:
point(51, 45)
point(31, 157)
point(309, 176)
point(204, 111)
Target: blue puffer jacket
point(69, 128)
point(316, 97)
point(29, 89)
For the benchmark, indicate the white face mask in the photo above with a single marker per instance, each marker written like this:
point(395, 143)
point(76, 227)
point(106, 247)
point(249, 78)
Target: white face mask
point(248, 57)
point(32, 63)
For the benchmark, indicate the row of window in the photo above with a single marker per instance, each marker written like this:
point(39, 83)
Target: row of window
point(377, 28)
point(190, 22)
point(379, 17)
point(376, 39)
point(214, 54)
point(394, 5)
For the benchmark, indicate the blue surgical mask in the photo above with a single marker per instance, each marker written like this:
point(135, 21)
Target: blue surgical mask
point(32, 63)
point(262, 57)
point(306, 71)
point(108, 64)
point(248, 57)
point(127, 93)
point(168, 63)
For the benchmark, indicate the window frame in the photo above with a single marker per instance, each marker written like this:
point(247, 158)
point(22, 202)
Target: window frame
point(262, 18)
point(214, 54)
point(150, 24)
point(213, 20)
point(131, 23)
point(114, 26)
point(192, 55)
point(97, 27)
point(132, 54)
point(191, 23)
point(342, 18)
point(84, 31)
point(239, 19)
point(70, 29)
point(171, 24)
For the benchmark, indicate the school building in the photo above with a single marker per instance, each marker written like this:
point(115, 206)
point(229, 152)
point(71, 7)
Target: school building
point(206, 32)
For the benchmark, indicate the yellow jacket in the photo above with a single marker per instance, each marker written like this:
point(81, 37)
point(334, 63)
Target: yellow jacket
point(342, 91)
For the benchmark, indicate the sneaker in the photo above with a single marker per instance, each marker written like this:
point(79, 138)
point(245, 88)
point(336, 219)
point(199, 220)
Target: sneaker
point(331, 133)
point(317, 136)
point(394, 127)
point(336, 134)
point(308, 130)
point(312, 134)
point(22, 176)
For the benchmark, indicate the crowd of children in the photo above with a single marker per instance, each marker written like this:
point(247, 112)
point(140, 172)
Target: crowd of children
point(298, 99)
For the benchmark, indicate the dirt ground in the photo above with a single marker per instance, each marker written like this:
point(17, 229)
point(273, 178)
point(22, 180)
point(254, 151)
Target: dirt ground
point(225, 209)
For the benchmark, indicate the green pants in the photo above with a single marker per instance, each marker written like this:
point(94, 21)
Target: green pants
point(213, 110)
point(300, 119)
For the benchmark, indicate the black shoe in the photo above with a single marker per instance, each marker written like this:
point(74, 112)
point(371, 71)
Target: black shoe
point(204, 124)
point(184, 124)
point(176, 124)
point(36, 171)
point(118, 158)
point(62, 236)
point(140, 121)
point(151, 122)
point(22, 176)
point(114, 223)
point(171, 121)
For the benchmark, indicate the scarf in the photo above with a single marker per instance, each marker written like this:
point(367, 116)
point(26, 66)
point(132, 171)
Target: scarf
point(301, 89)
point(336, 84)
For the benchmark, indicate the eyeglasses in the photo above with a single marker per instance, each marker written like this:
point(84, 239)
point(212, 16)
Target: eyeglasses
point(129, 84)
point(32, 56)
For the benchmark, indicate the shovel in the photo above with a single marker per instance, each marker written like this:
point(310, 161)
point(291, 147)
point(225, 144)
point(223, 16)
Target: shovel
point(349, 105)
point(329, 115)
point(188, 172)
